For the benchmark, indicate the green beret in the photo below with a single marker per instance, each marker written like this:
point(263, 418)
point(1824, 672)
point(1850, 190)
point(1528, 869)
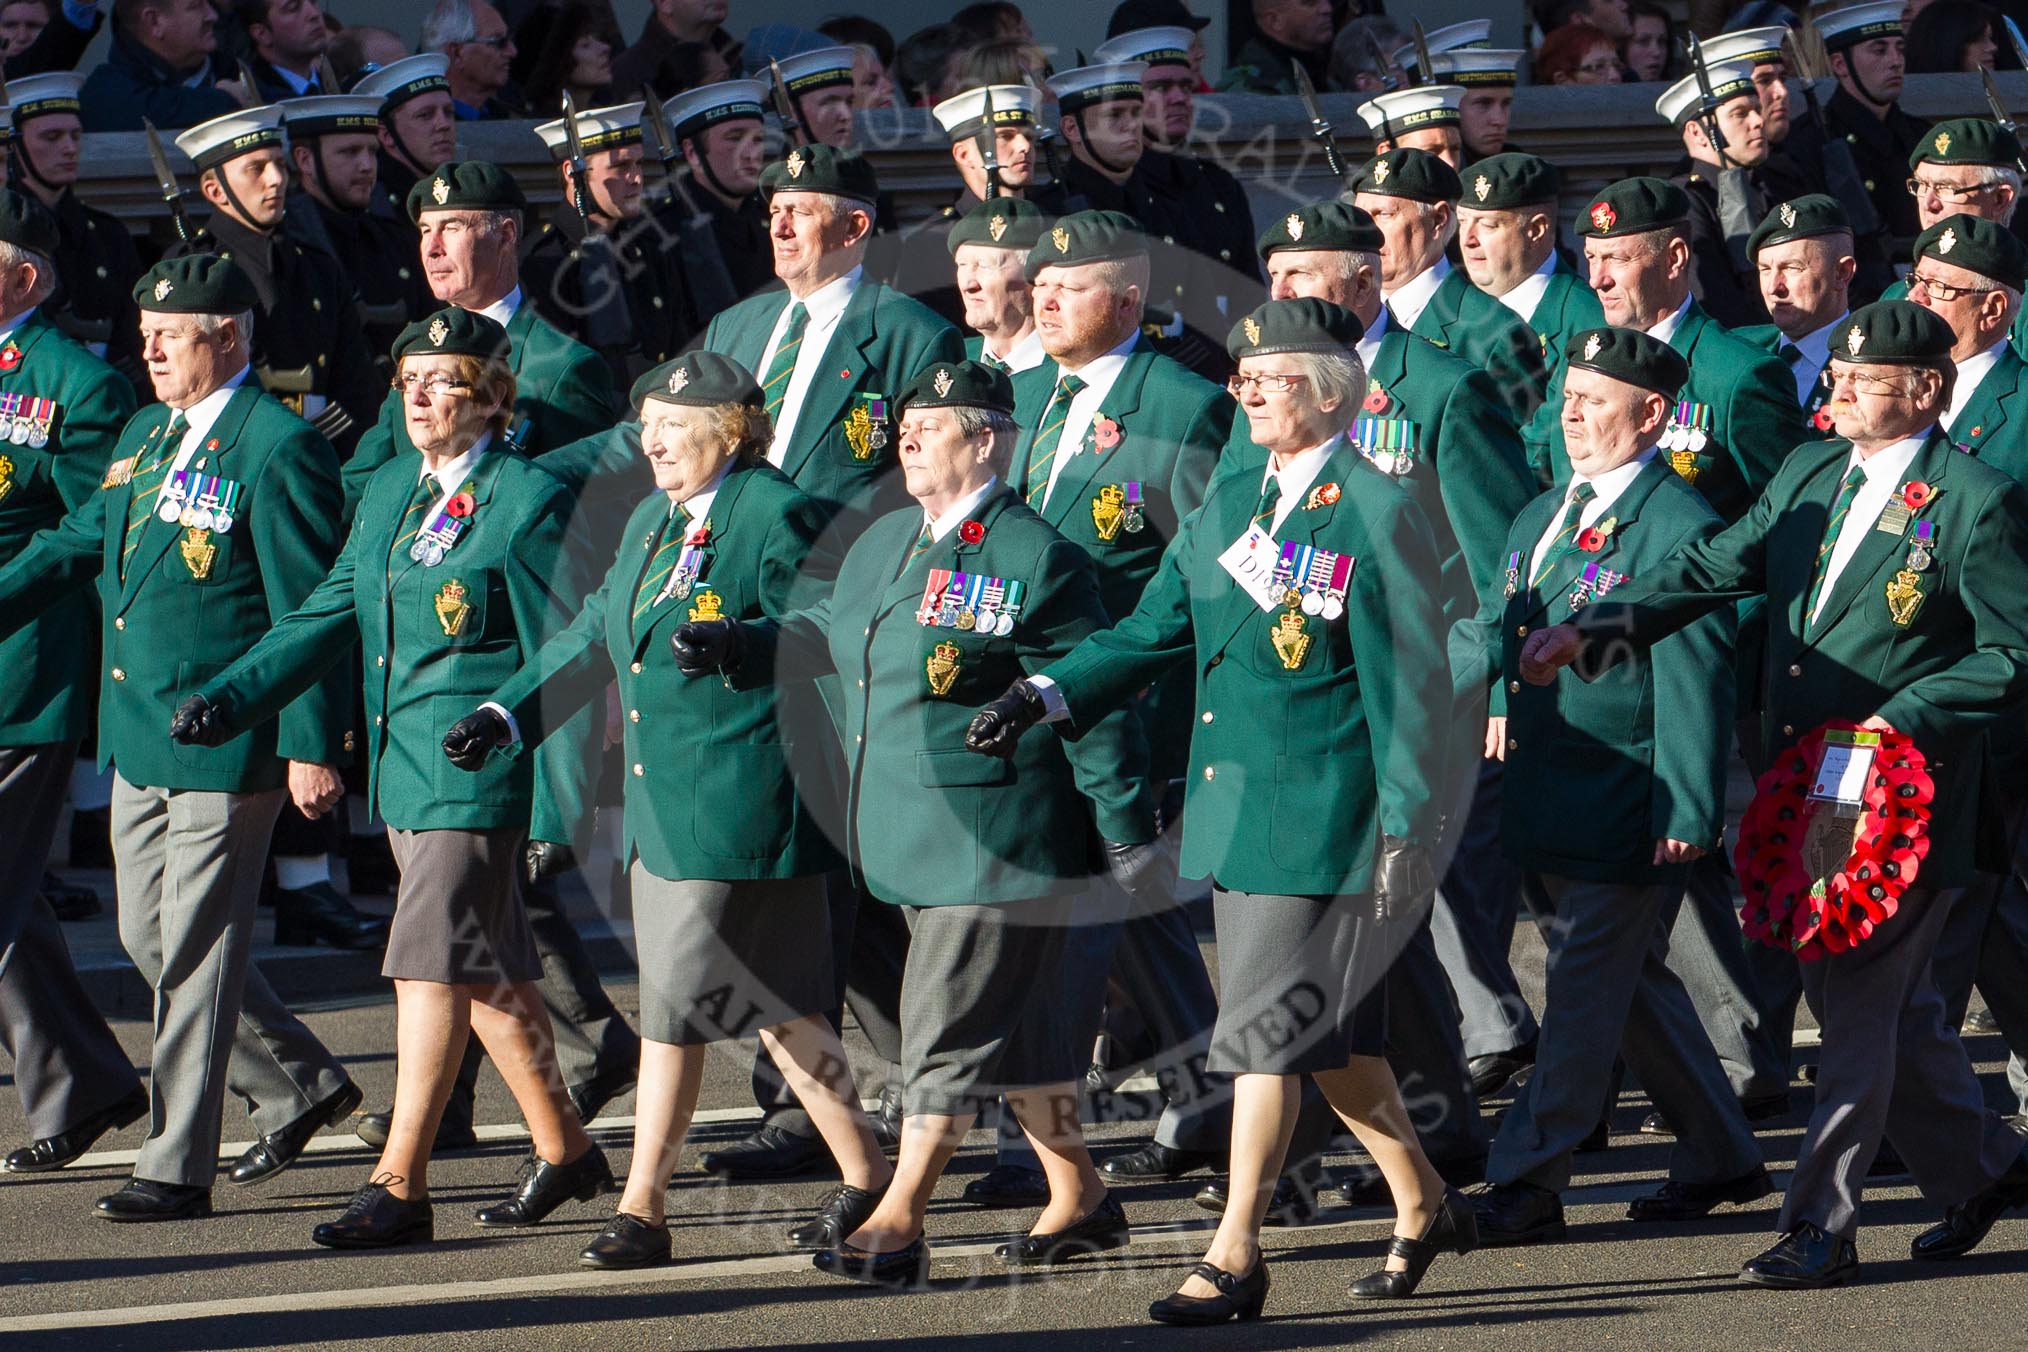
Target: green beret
point(26, 224)
point(699, 377)
point(822, 168)
point(1000, 223)
point(1087, 237)
point(1802, 218)
point(1967, 140)
point(1305, 324)
point(453, 331)
point(1634, 206)
point(1415, 174)
point(1332, 226)
point(196, 284)
point(958, 384)
point(1510, 180)
point(466, 185)
point(1977, 245)
point(1632, 356)
point(1895, 333)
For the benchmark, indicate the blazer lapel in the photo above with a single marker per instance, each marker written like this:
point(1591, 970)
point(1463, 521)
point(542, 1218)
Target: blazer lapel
point(951, 552)
point(482, 478)
point(824, 401)
point(157, 536)
point(1985, 413)
point(1623, 512)
point(721, 521)
point(1123, 400)
point(1880, 548)
point(1302, 525)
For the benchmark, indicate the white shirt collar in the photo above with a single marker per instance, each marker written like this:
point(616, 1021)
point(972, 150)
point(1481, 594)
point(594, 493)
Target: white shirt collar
point(1610, 485)
point(699, 504)
point(1664, 329)
point(502, 310)
point(201, 415)
point(1026, 355)
point(1971, 371)
point(298, 84)
point(19, 320)
point(451, 477)
point(1410, 298)
point(1297, 475)
point(1102, 369)
point(943, 525)
point(828, 301)
point(1891, 461)
point(1369, 342)
point(1527, 293)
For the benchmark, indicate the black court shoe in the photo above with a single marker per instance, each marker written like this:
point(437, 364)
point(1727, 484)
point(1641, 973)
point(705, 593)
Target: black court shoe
point(907, 1268)
point(628, 1242)
point(1238, 1298)
point(1104, 1228)
point(1454, 1228)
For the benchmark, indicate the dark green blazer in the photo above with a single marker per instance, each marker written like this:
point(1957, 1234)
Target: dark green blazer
point(1945, 678)
point(1173, 424)
point(883, 340)
point(47, 696)
point(711, 783)
point(436, 642)
point(1294, 774)
point(1598, 772)
point(1993, 424)
point(562, 391)
point(1490, 336)
point(1567, 307)
point(166, 630)
point(1755, 418)
point(1769, 339)
point(930, 823)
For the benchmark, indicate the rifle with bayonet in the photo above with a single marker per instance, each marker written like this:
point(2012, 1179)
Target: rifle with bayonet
point(173, 193)
point(793, 131)
point(706, 278)
point(1383, 65)
point(1425, 72)
point(578, 168)
point(1320, 127)
point(2000, 112)
point(1045, 136)
point(1707, 102)
point(989, 151)
point(1841, 172)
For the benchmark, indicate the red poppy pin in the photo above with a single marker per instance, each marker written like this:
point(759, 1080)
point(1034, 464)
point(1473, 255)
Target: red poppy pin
point(10, 357)
point(1323, 495)
point(1376, 400)
point(1915, 495)
point(1590, 541)
point(460, 506)
point(1822, 419)
point(971, 532)
point(699, 534)
point(1105, 432)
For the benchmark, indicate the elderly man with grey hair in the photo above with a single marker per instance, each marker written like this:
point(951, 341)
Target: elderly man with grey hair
point(475, 38)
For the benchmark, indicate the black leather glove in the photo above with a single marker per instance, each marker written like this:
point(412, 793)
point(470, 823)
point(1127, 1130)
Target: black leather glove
point(198, 722)
point(705, 646)
point(1404, 880)
point(1136, 868)
point(473, 738)
point(547, 859)
point(997, 727)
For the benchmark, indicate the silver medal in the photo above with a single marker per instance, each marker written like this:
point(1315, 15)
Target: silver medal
point(1699, 439)
point(1313, 603)
point(38, 438)
point(1003, 626)
point(417, 550)
point(19, 434)
point(200, 517)
point(170, 508)
point(1333, 607)
point(221, 522)
point(1133, 523)
point(433, 556)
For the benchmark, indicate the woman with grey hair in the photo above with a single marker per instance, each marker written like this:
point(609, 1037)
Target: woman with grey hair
point(1302, 596)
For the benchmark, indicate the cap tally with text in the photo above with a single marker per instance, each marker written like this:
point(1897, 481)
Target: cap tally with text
point(1848, 27)
point(27, 224)
point(454, 332)
point(1634, 206)
point(1895, 333)
point(196, 284)
point(1086, 237)
point(1305, 324)
point(409, 78)
point(1960, 140)
point(1150, 46)
point(1755, 46)
point(1510, 180)
point(1802, 218)
point(1632, 356)
point(466, 185)
point(597, 129)
point(699, 110)
point(1406, 110)
point(1087, 86)
point(700, 378)
point(999, 223)
point(1324, 226)
point(1683, 100)
point(34, 96)
point(958, 384)
point(1478, 67)
point(1976, 245)
point(1414, 174)
point(210, 144)
point(807, 72)
point(822, 168)
point(961, 115)
point(316, 115)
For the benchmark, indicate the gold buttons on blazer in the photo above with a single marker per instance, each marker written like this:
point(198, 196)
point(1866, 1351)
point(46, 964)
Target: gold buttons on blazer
point(1207, 715)
point(634, 714)
point(635, 668)
point(119, 673)
point(119, 622)
point(1513, 687)
point(639, 771)
point(1520, 631)
point(1795, 668)
point(1788, 729)
point(1210, 772)
point(1513, 745)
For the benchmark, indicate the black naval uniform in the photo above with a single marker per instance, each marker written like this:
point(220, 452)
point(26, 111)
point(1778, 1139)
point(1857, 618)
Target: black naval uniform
point(1724, 279)
point(922, 265)
point(381, 257)
point(1881, 148)
point(638, 319)
point(97, 265)
point(742, 233)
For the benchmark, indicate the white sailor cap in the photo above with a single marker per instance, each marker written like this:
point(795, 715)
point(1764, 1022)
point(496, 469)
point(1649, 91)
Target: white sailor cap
point(1849, 27)
point(807, 72)
point(1729, 80)
point(399, 81)
point(962, 115)
point(1478, 67)
point(1449, 38)
point(597, 129)
point(708, 105)
point(1083, 86)
point(1150, 46)
point(1755, 46)
point(53, 92)
point(210, 144)
point(1406, 110)
point(329, 114)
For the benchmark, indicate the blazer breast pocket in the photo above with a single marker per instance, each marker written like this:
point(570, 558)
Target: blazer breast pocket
point(198, 556)
point(454, 603)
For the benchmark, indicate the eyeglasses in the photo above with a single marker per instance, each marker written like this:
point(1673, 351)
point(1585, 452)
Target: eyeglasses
point(1862, 384)
point(436, 384)
point(496, 42)
point(1944, 291)
point(1948, 192)
point(1267, 382)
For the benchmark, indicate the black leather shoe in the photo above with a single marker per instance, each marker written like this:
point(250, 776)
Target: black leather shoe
point(1006, 1186)
point(53, 1152)
point(592, 1099)
point(629, 1242)
point(769, 1153)
point(1238, 1298)
point(377, 1219)
point(1758, 1108)
point(1295, 1202)
point(886, 1120)
point(905, 1269)
point(1104, 1228)
point(143, 1199)
point(70, 901)
point(1679, 1201)
point(1966, 1224)
point(1491, 1073)
point(1595, 1140)
point(277, 1150)
point(1511, 1214)
point(451, 1137)
point(319, 914)
point(1804, 1259)
point(841, 1213)
point(1157, 1161)
point(545, 1187)
point(1453, 1228)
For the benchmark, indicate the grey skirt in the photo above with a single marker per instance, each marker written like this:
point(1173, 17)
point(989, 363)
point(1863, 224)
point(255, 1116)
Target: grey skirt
point(726, 959)
point(1299, 983)
point(458, 915)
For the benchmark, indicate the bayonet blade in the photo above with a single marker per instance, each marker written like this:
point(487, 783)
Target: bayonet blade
point(1320, 127)
point(1424, 71)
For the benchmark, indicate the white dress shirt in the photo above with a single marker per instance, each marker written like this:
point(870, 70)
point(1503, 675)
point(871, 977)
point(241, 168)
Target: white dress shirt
point(1412, 297)
point(1971, 371)
point(957, 515)
point(1886, 471)
point(1816, 350)
point(826, 306)
point(201, 415)
point(1368, 345)
point(451, 477)
point(1527, 295)
point(502, 310)
point(1607, 488)
point(1296, 476)
point(19, 320)
point(1098, 376)
point(1663, 329)
point(1026, 355)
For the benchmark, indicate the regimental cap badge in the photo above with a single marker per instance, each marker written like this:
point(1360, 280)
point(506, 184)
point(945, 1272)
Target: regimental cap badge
point(1482, 186)
point(1380, 171)
point(1855, 338)
point(942, 381)
point(678, 378)
point(1252, 327)
point(996, 227)
point(1060, 237)
point(162, 289)
point(795, 164)
point(1788, 213)
point(1942, 143)
point(1591, 346)
point(1295, 226)
point(1947, 241)
point(1603, 215)
point(439, 331)
point(441, 191)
